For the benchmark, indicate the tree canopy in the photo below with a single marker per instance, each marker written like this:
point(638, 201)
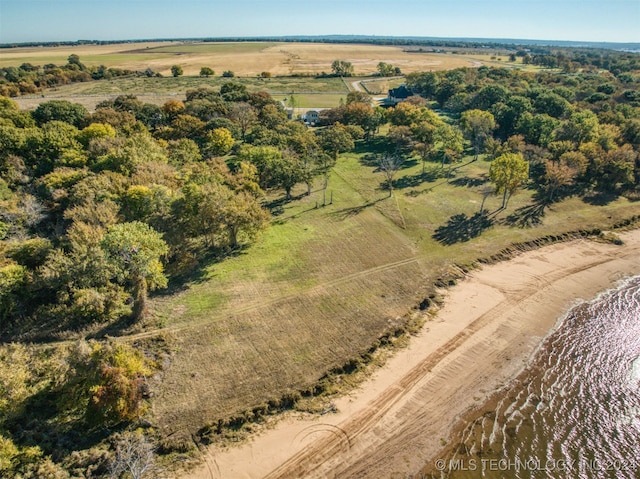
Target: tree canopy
point(508, 173)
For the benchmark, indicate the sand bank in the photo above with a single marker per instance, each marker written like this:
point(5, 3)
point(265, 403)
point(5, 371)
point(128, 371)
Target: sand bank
point(484, 335)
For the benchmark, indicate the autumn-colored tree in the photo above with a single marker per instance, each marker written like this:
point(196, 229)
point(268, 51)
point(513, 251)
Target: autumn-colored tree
point(335, 139)
point(118, 387)
point(557, 176)
point(219, 142)
point(508, 172)
point(244, 215)
point(95, 130)
point(244, 115)
point(402, 138)
point(173, 108)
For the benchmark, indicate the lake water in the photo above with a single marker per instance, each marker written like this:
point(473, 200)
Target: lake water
point(573, 413)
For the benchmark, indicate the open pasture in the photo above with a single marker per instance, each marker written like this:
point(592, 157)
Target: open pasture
point(323, 283)
point(243, 58)
point(308, 92)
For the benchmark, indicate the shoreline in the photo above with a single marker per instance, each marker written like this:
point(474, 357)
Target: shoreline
point(483, 337)
point(494, 406)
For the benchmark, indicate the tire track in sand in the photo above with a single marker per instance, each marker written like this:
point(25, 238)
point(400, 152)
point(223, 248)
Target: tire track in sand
point(309, 461)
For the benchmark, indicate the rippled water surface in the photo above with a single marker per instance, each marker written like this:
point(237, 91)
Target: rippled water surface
point(574, 413)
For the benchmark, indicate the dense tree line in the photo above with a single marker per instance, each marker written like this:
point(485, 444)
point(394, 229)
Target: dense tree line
point(573, 129)
point(572, 60)
point(576, 132)
point(96, 206)
point(97, 210)
point(28, 79)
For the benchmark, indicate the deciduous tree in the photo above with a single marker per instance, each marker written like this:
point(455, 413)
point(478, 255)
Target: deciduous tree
point(60, 110)
point(508, 172)
point(335, 139)
point(135, 250)
point(176, 70)
point(342, 68)
point(219, 142)
point(206, 72)
point(244, 115)
point(424, 135)
point(389, 164)
point(134, 455)
point(478, 126)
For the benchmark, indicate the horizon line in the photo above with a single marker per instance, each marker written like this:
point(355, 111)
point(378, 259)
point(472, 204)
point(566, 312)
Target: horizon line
point(240, 38)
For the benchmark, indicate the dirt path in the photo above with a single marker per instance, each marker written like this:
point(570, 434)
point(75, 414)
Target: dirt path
point(395, 424)
point(357, 86)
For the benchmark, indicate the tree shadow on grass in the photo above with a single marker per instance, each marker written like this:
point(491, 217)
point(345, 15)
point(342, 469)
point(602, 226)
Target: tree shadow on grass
point(461, 228)
point(371, 160)
point(412, 181)
point(378, 145)
point(600, 198)
point(469, 182)
point(354, 210)
point(276, 207)
point(197, 271)
point(527, 216)
point(409, 181)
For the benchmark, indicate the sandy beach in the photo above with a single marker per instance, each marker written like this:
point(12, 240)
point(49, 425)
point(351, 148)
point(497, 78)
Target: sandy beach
point(397, 421)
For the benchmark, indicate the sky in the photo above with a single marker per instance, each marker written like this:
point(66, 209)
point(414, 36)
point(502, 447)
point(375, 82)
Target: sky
point(69, 20)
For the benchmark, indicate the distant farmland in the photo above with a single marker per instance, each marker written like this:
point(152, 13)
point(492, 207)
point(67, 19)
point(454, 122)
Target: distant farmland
point(293, 67)
point(307, 91)
point(244, 58)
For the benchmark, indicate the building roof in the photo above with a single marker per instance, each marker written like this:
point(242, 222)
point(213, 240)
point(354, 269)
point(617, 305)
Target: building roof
point(401, 92)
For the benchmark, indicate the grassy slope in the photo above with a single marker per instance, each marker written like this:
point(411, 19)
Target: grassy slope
point(322, 284)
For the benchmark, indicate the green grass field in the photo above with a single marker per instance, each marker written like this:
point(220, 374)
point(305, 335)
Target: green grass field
point(309, 92)
point(313, 100)
point(213, 47)
point(323, 283)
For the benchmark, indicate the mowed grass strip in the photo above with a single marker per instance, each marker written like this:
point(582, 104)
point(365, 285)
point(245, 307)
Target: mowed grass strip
point(234, 364)
point(313, 100)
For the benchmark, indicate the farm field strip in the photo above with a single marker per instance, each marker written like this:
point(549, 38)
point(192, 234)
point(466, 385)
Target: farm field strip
point(245, 59)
